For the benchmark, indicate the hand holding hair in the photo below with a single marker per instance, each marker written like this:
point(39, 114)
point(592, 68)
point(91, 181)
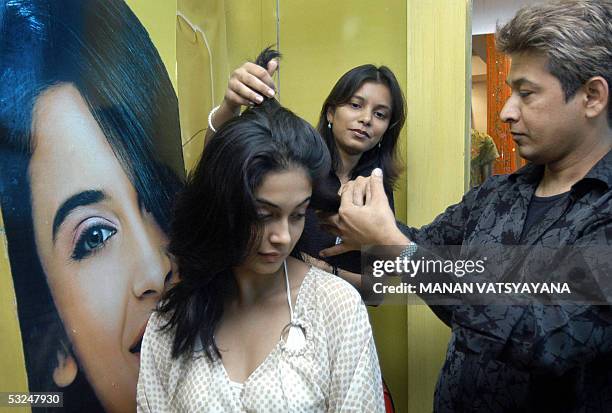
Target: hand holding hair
point(248, 85)
point(364, 217)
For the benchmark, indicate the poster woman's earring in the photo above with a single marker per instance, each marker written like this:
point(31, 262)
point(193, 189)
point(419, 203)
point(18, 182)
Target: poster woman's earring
point(66, 369)
point(329, 125)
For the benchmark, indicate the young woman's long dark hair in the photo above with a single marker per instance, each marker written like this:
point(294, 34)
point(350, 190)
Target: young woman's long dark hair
point(216, 226)
point(385, 156)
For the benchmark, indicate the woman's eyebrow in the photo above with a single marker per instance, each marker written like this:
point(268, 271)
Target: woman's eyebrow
point(380, 105)
point(79, 199)
point(272, 205)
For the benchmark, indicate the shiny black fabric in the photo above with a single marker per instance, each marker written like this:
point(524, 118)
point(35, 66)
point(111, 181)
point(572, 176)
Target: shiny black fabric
point(527, 358)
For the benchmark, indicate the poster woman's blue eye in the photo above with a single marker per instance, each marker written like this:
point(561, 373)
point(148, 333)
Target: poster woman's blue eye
point(92, 239)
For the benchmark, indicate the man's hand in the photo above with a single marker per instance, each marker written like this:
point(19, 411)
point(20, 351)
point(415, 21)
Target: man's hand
point(364, 217)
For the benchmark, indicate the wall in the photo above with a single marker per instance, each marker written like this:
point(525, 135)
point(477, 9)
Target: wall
point(479, 105)
point(488, 13)
point(13, 376)
point(158, 17)
point(479, 93)
point(214, 37)
point(438, 96)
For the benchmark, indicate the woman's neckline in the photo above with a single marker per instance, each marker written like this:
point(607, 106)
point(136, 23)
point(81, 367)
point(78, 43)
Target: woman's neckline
point(296, 310)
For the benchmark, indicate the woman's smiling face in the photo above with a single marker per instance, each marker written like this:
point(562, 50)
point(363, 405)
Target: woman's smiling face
point(359, 124)
point(103, 254)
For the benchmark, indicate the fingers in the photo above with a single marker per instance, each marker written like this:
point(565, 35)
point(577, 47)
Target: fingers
point(336, 250)
point(249, 84)
point(331, 229)
point(346, 193)
point(330, 224)
point(354, 192)
point(257, 77)
point(368, 193)
point(359, 190)
point(377, 189)
point(272, 67)
point(235, 100)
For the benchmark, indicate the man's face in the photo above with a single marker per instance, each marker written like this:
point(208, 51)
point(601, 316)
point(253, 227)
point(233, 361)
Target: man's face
point(545, 127)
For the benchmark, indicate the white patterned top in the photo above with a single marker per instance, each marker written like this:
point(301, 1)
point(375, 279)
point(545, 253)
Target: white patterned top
point(336, 370)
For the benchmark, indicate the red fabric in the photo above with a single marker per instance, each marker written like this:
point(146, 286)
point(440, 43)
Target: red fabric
point(389, 408)
point(498, 66)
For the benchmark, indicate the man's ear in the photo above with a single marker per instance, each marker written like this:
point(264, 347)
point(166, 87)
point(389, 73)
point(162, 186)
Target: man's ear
point(66, 369)
point(597, 97)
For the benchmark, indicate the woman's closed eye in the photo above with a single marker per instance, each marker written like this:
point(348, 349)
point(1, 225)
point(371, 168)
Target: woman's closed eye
point(94, 235)
point(264, 216)
point(296, 216)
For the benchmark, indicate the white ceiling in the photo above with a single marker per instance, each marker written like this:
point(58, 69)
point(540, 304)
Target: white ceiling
point(487, 13)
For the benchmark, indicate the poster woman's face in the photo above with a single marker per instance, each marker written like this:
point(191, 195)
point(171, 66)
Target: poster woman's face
point(102, 252)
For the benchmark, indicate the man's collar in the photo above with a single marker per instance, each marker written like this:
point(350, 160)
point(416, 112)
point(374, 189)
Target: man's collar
point(529, 173)
point(601, 171)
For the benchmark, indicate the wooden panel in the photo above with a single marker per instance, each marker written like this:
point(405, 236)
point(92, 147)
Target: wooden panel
point(437, 124)
point(13, 377)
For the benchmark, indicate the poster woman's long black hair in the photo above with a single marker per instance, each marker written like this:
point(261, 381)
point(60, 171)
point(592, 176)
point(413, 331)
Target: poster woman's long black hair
point(215, 224)
point(101, 48)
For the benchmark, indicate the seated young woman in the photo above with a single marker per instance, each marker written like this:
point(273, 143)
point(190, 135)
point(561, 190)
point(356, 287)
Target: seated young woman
point(249, 327)
point(360, 121)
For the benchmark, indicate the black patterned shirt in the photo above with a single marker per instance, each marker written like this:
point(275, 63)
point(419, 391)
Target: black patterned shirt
point(526, 358)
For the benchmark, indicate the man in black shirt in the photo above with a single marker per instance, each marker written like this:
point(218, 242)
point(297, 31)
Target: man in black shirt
point(533, 357)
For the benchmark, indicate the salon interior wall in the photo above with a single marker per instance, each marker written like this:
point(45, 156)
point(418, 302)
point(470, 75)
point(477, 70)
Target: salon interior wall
point(213, 38)
point(159, 18)
point(438, 99)
point(12, 362)
point(479, 93)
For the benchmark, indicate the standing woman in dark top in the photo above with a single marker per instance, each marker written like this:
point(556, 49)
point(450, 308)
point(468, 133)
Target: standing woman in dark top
point(360, 122)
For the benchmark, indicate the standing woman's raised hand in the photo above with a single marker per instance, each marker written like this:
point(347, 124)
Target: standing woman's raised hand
point(248, 85)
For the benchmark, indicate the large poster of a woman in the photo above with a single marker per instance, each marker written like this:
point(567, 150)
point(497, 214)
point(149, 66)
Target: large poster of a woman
point(90, 160)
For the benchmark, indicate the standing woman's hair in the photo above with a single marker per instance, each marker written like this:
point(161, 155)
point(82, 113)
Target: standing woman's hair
point(342, 92)
point(215, 224)
point(100, 48)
